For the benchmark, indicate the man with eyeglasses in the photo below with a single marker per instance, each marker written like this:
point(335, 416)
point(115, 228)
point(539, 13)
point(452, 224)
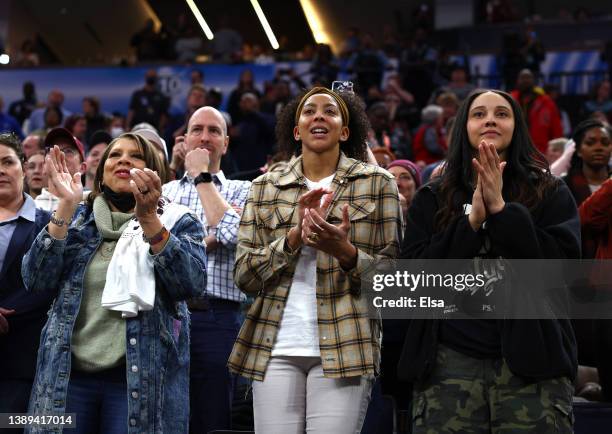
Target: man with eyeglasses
point(74, 151)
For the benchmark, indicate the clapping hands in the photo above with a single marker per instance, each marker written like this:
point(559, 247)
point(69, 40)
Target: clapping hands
point(487, 199)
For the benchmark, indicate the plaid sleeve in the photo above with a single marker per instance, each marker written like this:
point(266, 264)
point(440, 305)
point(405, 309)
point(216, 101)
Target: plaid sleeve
point(257, 263)
point(387, 228)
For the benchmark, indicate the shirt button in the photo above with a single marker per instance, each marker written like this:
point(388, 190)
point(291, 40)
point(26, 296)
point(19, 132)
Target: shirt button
point(135, 394)
point(134, 368)
point(133, 422)
point(324, 338)
point(47, 243)
point(132, 341)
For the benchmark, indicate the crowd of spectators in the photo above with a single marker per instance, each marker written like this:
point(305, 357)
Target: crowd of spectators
point(410, 106)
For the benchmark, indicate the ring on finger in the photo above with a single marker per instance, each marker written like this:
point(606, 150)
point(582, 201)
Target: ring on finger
point(145, 191)
point(313, 237)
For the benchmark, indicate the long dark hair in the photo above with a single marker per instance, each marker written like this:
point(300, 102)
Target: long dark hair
point(354, 147)
point(578, 136)
point(149, 152)
point(526, 175)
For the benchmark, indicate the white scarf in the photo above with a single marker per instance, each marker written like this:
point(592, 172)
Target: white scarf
point(130, 278)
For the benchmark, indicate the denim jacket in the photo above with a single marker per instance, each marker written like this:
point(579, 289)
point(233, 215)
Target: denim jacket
point(157, 353)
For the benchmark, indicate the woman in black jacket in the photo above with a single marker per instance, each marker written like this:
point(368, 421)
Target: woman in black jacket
point(496, 198)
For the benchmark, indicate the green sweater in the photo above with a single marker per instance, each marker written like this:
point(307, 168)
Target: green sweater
point(98, 338)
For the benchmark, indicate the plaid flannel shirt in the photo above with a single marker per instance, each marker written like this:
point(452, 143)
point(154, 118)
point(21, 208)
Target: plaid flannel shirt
point(348, 339)
point(220, 262)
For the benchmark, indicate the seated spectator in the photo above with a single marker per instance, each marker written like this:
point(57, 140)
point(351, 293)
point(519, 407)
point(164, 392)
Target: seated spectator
point(408, 178)
point(600, 100)
point(554, 92)
point(541, 112)
point(74, 154)
point(196, 98)
point(252, 139)
point(429, 143)
point(23, 108)
point(95, 119)
point(383, 156)
point(77, 125)
point(53, 119)
point(449, 103)
point(262, 56)
point(324, 68)
point(368, 64)
point(149, 133)
point(145, 42)
point(417, 66)
point(351, 43)
point(246, 83)
point(32, 144)
point(117, 125)
point(148, 104)
point(589, 167)
point(197, 77)
point(27, 55)
point(459, 84)
point(532, 50)
point(36, 121)
point(35, 176)
point(22, 314)
point(435, 169)
point(381, 134)
point(99, 141)
point(227, 43)
point(188, 45)
point(9, 124)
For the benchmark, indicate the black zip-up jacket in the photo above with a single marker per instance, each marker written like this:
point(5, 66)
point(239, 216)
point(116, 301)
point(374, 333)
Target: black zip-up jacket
point(537, 349)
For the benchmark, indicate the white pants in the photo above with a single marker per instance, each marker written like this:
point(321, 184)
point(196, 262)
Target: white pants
point(295, 397)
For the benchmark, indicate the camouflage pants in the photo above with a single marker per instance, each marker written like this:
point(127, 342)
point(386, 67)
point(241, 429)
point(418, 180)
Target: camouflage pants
point(466, 395)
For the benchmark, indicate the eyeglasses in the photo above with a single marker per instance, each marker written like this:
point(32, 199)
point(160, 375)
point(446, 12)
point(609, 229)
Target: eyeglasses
point(68, 151)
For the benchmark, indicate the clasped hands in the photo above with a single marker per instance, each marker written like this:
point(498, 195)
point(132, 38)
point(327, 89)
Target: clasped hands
point(487, 198)
point(313, 231)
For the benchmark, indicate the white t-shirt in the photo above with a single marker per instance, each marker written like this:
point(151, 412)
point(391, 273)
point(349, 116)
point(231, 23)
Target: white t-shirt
point(298, 333)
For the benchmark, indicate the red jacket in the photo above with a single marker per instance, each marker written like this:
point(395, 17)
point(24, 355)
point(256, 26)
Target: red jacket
point(420, 151)
point(543, 119)
point(596, 219)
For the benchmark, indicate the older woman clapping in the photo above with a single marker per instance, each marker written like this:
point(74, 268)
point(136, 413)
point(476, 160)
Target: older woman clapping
point(115, 349)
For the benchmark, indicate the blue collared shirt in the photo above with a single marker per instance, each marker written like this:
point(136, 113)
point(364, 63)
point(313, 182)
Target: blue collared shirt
point(220, 262)
point(7, 227)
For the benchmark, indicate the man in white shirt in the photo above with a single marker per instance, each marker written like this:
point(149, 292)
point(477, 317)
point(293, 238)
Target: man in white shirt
point(74, 151)
point(215, 319)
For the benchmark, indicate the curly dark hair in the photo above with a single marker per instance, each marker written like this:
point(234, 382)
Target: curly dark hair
point(526, 177)
point(354, 147)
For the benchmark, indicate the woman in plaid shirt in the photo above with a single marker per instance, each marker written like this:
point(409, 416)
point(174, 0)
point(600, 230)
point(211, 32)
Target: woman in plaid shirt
point(308, 340)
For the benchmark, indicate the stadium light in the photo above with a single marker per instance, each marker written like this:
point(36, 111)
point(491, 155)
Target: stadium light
point(198, 16)
point(315, 22)
point(265, 24)
point(4, 59)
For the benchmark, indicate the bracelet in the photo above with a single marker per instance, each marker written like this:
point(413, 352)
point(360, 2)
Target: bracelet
point(162, 235)
point(58, 222)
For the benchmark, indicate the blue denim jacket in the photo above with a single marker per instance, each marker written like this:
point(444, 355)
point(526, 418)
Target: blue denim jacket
point(157, 353)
